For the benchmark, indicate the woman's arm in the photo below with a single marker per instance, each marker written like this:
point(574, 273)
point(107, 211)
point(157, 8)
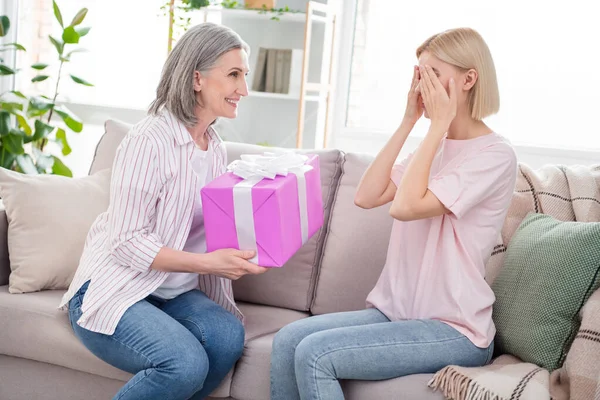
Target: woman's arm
point(376, 187)
point(413, 199)
point(228, 263)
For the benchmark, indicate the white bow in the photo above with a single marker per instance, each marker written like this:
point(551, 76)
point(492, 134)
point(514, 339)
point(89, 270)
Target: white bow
point(268, 165)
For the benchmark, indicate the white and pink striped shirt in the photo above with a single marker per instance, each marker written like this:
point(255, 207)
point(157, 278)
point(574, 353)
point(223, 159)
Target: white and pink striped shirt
point(152, 197)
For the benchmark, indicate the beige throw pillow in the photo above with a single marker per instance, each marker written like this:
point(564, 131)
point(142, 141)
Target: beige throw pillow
point(48, 221)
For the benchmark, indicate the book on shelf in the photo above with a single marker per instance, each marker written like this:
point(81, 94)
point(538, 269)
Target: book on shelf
point(278, 71)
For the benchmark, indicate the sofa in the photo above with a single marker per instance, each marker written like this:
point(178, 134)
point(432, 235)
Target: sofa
point(40, 357)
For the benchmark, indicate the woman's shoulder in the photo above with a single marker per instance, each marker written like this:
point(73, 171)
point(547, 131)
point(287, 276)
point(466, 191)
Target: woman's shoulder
point(501, 145)
point(153, 131)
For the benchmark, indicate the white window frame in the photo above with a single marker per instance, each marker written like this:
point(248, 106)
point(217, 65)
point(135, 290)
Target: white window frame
point(530, 154)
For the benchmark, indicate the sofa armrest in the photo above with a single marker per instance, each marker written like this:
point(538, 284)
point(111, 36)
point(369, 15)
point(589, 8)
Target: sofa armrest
point(583, 359)
point(4, 263)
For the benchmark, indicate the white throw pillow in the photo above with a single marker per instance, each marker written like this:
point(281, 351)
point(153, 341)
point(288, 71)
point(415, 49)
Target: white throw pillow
point(49, 218)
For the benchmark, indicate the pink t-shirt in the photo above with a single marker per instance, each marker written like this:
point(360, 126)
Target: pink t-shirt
point(435, 267)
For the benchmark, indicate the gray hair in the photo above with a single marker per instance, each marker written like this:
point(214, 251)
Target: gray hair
point(198, 49)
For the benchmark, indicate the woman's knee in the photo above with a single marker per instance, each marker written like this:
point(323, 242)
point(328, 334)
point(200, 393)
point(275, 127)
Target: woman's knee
point(311, 353)
point(235, 336)
point(226, 337)
point(187, 368)
point(288, 337)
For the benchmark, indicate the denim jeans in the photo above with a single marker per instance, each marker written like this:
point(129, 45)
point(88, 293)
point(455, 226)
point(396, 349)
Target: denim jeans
point(310, 355)
point(176, 349)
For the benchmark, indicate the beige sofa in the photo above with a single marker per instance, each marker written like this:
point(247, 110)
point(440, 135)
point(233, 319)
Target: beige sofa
point(40, 358)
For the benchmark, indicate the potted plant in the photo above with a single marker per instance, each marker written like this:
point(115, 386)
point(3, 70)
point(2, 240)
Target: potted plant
point(27, 125)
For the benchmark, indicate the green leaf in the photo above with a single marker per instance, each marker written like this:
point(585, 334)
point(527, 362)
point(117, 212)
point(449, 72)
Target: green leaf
point(11, 106)
point(17, 46)
point(57, 13)
point(39, 78)
point(81, 81)
point(39, 66)
point(4, 123)
point(70, 35)
point(58, 44)
point(25, 162)
point(61, 139)
point(72, 121)
point(4, 25)
point(69, 54)
point(6, 159)
point(42, 130)
point(18, 94)
point(23, 124)
point(13, 143)
point(78, 19)
point(38, 106)
point(59, 168)
point(83, 31)
point(4, 70)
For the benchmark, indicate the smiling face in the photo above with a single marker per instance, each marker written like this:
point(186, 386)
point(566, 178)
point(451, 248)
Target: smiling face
point(219, 90)
point(444, 71)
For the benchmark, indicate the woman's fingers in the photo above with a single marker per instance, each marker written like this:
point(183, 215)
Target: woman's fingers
point(434, 79)
point(415, 80)
point(428, 86)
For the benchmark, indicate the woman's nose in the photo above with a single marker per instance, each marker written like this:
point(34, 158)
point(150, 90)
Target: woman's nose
point(243, 89)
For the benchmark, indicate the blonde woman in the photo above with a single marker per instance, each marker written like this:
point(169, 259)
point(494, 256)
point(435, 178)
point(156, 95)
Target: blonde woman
point(431, 306)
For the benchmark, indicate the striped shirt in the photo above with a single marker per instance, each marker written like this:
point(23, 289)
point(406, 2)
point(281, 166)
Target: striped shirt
point(152, 196)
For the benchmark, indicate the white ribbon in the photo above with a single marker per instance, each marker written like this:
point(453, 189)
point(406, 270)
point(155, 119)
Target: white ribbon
point(253, 169)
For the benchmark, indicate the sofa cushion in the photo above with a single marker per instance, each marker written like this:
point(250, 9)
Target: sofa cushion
point(39, 331)
point(49, 218)
point(550, 271)
point(114, 132)
point(411, 387)
point(292, 285)
point(355, 246)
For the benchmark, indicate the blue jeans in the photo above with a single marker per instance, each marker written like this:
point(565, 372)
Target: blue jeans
point(176, 349)
point(310, 355)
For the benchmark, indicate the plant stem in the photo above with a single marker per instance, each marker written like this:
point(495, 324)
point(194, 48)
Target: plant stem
point(44, 141)
point(171, 18)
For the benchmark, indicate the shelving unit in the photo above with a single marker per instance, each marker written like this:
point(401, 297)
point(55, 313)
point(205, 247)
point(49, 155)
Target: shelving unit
point(301, 119)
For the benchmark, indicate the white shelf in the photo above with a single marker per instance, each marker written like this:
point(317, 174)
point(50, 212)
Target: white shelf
point(281, 96)
point(257, 14)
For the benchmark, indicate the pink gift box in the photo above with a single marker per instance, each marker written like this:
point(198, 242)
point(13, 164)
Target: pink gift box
point(275, 211)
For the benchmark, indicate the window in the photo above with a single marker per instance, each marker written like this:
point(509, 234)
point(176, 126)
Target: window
point(543, 53)
point(127, 46)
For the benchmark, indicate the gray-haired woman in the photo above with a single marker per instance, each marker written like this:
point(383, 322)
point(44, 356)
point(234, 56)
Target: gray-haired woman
point(146, 297)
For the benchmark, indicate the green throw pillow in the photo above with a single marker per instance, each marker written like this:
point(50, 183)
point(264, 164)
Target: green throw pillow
point(550, 270)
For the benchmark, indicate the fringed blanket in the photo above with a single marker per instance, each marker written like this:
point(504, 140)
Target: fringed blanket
point(568, 194)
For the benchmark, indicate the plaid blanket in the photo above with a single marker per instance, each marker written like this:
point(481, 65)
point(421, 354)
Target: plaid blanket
point(568, 194)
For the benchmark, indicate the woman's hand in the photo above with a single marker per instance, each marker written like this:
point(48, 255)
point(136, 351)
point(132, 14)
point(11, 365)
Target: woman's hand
point(414, 105)
point(440, 106)
point(230, 263)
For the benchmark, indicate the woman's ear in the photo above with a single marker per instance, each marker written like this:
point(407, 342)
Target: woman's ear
point(470, 79)
point(197, 81)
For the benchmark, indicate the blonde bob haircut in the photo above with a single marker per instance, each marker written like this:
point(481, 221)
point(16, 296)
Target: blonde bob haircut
point(465, 49)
